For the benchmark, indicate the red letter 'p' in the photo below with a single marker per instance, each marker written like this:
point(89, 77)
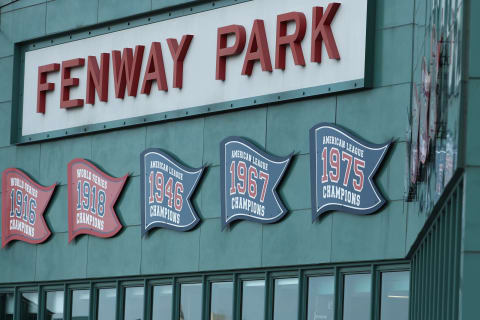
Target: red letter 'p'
point(223, 51)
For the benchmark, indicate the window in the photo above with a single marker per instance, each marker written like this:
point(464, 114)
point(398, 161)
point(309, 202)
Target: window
point(162, 302)
point(221, 301)
point(7, 306)
point(29, 305)
point(80, 304)
point(134, 303)
point(54, 306)
point(286, 299)
point(107, 302)
point(395, 295)
point(357, 296)
point(321, 297)
point(191, 301)
point(253, 300)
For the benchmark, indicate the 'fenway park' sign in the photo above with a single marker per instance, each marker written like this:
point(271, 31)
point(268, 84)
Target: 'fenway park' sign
point(191, 64)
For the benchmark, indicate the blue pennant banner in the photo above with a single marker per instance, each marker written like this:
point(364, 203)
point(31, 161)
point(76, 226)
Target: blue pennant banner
point(249, 178)
point(342, 167)
point(166, 188)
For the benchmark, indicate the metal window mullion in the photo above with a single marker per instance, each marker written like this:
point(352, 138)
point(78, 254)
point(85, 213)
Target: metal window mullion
point(176, 299)
point(41, 302)
point(146, 300)
point(412, 286)
point(67, 303)
point(415, 287)
point(423, 282)
point(374, 293)
point(420, 283)
point(120, 301)
point(450, 262)
point(431, 273)
point(237, 297)
point(438, 277)
point(93, 301)
point(16, 313)
point(444, 262)
point(425, 275)
point(205, 298)
point(338, 297)
point(436, 269)
point(302, 296)
point(269, 294)
point(458, 232)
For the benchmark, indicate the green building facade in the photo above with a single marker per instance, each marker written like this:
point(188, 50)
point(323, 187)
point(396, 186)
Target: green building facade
point(418, 257)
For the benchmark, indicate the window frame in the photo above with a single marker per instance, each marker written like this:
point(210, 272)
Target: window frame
point(269, 275)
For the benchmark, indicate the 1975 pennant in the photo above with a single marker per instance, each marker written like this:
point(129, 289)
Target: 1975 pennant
point(342, 167)
point(249, 179)
point(91, 197)
point(23, 205)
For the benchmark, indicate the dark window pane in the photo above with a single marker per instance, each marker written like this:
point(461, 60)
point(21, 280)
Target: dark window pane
point(191, 301)
point(7, 306)
point(395, 294)
point(29, 306)
point(286, 299)
point(80, 304)
point(357, 297)
point(54, 305)
point(253, 300)
point(162, 303)
point(107, 302)
point(320, 298)
point(221, 306)
point(134, 303)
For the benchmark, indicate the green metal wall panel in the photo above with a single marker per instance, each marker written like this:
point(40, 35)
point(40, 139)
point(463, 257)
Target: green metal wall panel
point(280, 128)
point(435, 259)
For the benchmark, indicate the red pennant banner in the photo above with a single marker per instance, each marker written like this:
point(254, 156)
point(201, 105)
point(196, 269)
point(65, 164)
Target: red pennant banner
point(91, 197)
point(23, 205)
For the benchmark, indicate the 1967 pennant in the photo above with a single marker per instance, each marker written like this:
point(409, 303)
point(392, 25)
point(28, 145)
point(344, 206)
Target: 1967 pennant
point(23, 205)
point(91, 197)
point(166, 189)
point(342, 167)
point(249, 178)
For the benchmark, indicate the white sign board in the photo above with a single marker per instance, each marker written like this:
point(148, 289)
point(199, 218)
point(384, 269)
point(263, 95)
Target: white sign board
point(200, 86)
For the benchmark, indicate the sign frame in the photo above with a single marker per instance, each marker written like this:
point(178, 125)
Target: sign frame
point(21, 48)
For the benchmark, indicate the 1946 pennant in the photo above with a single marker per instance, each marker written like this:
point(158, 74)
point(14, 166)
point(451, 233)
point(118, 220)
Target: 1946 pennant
point(166, 189)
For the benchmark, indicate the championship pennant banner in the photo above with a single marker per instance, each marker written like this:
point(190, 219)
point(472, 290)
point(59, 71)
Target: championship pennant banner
point(166, 189)
point(23, 205)
point(91, 197)
point(249, 178)
point(342, 167)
